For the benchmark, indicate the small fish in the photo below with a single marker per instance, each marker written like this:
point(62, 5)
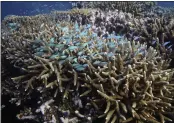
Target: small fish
point(58, 25)
point(110, 54)
point(61, 62)
point(71, 48)
point(12, 24)
point(153, 42)
point(63, 57)
point(38, 41)
point(65, 29)
point(94, 35)
point(75, 65)
point(85, 65)
point(34, 46)
point(51, 45)
point(111, 44)
point(83, 56)
point(80, 53)
point(59, 45)
point(166, 43)
point(83, 34)
point(52, 40)
point(103, 64)
point(99, 63)
point(169, 47)
point(39, 54)
point(84, 45)
point(54, 56)
point(81, 68)
point(136, 38)
point(70, 58)
point(88, 26)
point(41, 26)
point(96, 62)
point(109, 37)
point(118, 37)
point(75, 60)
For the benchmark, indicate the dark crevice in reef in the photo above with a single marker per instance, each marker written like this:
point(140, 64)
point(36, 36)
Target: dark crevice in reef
point(10, 110)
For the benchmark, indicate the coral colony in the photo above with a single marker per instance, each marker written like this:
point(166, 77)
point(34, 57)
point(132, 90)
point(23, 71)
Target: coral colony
point(88, 64)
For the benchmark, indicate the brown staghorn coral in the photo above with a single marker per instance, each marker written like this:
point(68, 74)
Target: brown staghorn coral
point(147, 29)
point(135, 89)
point(135, 8)
point(138, 9)
point(137, 92)
point(120, 82)
point(30, 23)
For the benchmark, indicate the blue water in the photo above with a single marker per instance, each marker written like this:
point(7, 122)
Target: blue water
point(33, 8)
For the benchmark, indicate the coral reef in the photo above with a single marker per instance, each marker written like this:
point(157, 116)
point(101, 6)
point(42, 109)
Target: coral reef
point(89, 63)
point(136, 8)
point(76, 66)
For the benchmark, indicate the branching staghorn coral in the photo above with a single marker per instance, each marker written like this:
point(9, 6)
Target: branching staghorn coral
point(86, 72)
point(135, 8)
point(138, 9)
point(29, 23)
point(155, 31)
point(131, 82)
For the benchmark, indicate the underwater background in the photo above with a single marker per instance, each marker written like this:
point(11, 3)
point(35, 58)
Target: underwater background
point(33, 8)
point(30, 9)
